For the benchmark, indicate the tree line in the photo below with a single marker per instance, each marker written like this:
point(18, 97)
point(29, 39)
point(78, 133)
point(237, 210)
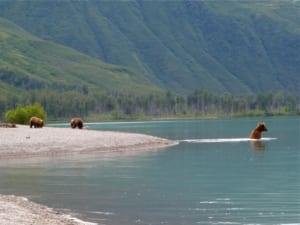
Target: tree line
point(113, 106)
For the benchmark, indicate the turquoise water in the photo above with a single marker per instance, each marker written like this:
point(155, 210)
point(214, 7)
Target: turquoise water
point(214, 176)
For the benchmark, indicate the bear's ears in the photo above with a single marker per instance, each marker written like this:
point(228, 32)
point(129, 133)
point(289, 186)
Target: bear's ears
point(261, 124)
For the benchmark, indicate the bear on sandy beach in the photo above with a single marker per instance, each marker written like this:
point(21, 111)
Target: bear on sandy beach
point(76, 122)
point(256, 133)
point(36, 122)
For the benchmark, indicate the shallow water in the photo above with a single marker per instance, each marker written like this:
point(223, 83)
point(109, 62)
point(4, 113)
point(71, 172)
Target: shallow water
point(216, 175)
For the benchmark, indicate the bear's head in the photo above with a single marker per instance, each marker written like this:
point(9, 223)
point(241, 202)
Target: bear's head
point(261, 127)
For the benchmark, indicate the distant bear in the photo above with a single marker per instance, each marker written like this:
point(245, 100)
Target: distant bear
point(36, 122)
point(76, 122)
point(256, 133)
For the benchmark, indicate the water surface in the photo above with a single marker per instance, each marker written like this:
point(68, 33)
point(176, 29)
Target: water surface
point(216, 175)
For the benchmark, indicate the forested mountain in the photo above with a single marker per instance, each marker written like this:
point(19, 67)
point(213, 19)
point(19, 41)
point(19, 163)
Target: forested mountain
point(30, 63)
point(221, 46)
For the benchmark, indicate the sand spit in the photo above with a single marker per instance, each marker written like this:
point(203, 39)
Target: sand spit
point(18, 210)
point(25, 142)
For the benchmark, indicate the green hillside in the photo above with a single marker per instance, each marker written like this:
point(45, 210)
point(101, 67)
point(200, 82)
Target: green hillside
point(30, 63)
point(221, 46)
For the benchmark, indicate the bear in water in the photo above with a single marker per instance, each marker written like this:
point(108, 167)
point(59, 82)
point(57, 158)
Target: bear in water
point(76, 122)
point(256, 133)
point(36, 122)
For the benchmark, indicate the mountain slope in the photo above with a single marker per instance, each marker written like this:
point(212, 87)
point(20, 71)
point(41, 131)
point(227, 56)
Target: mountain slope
point(27, 62)
point(228, 46)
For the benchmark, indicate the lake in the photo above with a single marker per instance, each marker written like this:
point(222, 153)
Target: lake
point(214, 176)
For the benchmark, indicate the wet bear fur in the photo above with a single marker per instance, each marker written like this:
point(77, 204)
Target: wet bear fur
point(256, 133)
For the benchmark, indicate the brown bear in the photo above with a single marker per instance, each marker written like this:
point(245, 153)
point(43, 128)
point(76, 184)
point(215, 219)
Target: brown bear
point(76, 122)
point(256, 133)
point(36, 122)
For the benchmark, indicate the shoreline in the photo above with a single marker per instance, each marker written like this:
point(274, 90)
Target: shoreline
point(19, 210)
point(23, 143)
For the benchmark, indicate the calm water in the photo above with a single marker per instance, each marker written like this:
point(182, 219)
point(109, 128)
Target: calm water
point(214, 176)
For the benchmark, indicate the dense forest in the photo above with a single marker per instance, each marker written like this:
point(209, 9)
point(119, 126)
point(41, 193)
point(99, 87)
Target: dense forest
point(122, 106)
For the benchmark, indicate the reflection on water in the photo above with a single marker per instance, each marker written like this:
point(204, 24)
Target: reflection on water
point(258, 145)
point(196, 182)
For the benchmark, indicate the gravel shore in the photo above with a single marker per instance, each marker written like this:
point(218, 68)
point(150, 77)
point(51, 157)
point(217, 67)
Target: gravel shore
point(19, 211)
point(23, 143)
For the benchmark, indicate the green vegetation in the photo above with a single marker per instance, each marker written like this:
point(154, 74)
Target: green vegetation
point(22, 115)
point(30, 63)
point(129, 106)
point(140, 59)
point(220, 46)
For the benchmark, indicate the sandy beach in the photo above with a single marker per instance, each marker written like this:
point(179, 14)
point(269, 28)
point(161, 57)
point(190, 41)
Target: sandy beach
point(23, 143)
